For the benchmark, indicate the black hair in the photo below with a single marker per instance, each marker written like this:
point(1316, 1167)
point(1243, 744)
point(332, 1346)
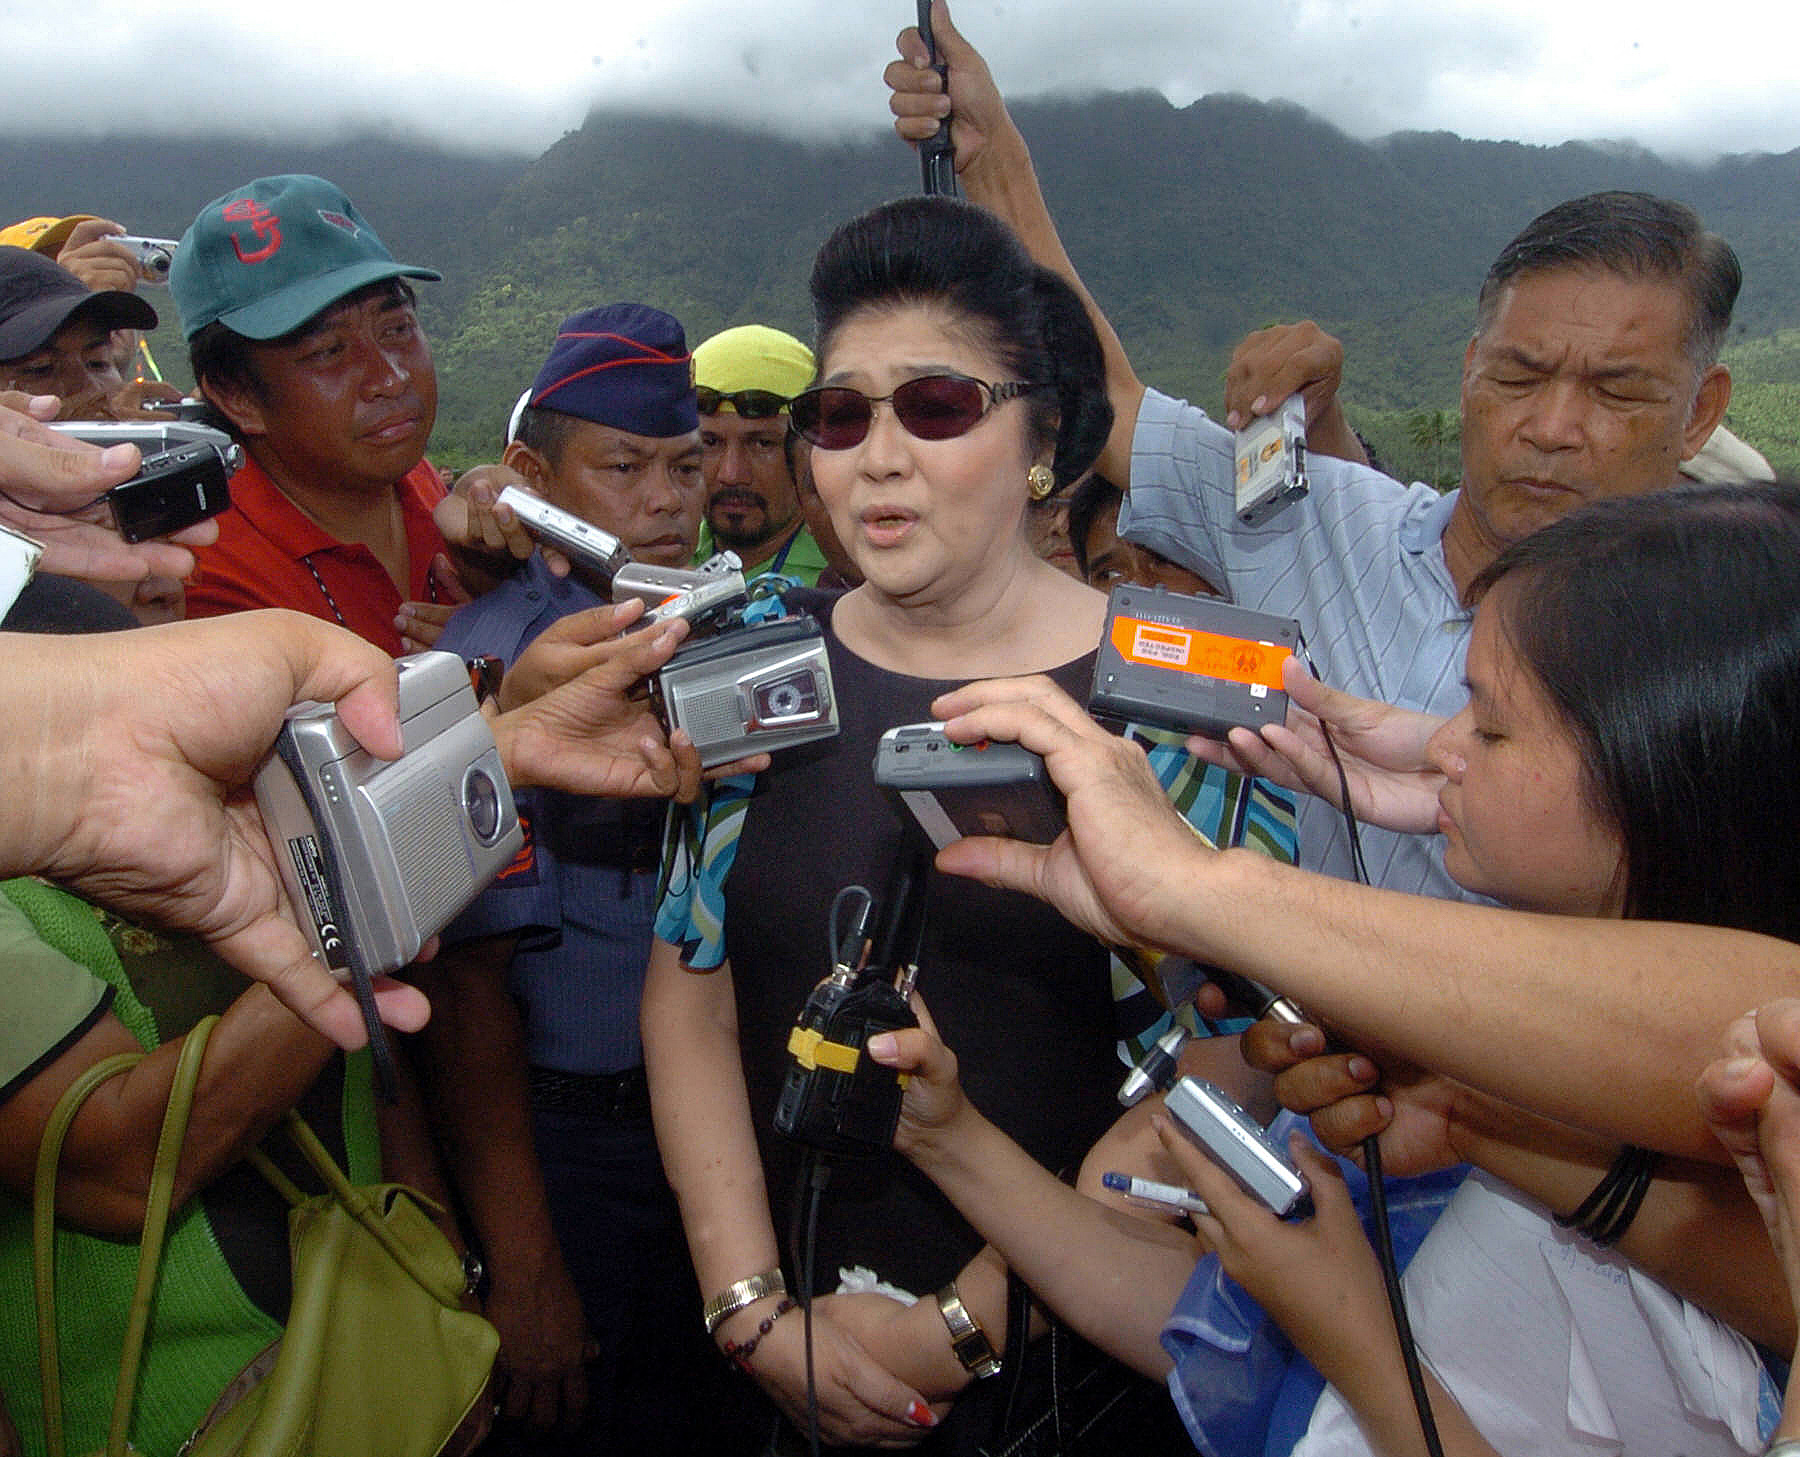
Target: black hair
point(943, 252)
point(546, 431)
point(1665, 630)
point(1638, 235)
point(220, 355)
point(1093, 493)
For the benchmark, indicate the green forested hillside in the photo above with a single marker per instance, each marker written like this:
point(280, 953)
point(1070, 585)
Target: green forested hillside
point(1192, 226)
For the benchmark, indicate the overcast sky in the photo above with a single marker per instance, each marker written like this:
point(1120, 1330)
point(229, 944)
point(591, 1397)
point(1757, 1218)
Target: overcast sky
point(521, 75)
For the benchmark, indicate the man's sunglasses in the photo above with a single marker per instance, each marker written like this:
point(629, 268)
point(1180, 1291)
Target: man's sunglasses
point(750, 404)
point(931, 407)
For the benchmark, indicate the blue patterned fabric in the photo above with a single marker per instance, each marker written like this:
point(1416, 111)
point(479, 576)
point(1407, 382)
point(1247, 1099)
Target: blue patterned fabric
point(1239, 1384)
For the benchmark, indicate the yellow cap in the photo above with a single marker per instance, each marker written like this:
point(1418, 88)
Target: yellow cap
point(43, 235)
point(754, 357)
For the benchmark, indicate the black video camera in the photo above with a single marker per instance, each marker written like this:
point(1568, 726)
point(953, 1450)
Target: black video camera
point(836, 1098)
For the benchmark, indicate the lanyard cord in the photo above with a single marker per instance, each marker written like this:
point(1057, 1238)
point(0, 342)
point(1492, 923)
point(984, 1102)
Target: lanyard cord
point(431, 591)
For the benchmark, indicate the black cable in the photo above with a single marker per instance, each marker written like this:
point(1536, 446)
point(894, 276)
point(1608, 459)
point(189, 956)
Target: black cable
point(1390, 1278)
point(1358, 866)
point(387, 1075)
point(335, 878)
point(1371, 1146)
point(836, 944)
point(803, 1248)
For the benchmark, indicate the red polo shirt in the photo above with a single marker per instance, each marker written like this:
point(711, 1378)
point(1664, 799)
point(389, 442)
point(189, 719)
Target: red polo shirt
point(268, 552)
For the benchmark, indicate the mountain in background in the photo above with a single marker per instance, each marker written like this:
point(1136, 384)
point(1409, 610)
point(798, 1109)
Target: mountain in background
point(1191, 226)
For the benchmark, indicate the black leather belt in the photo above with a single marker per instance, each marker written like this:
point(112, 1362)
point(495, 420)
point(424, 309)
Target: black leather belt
point(606, 1095)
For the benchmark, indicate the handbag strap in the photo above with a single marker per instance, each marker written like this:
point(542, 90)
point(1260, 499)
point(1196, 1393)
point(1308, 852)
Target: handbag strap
point(353, 1197)
point(156, 1220)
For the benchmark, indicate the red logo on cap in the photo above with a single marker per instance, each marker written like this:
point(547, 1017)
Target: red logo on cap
point(262, 222)
point(338, 220)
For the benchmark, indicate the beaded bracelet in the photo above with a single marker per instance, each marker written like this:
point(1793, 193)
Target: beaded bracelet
point(739, 1353)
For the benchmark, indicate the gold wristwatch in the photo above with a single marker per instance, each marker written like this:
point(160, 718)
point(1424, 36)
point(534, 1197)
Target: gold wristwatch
point(967, 1339)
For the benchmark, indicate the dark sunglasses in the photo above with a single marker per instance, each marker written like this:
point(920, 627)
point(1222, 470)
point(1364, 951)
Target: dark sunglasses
point(931, 407)
point(750, 404)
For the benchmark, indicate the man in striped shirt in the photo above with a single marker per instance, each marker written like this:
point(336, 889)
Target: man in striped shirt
point(1593, 371)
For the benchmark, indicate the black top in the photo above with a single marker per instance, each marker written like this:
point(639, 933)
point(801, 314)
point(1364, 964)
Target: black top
point(1020, 995)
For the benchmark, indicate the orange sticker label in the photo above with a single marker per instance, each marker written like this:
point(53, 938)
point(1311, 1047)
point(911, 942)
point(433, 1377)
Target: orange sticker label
point(1206, 654)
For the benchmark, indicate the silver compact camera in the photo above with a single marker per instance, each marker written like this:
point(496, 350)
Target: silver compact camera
point(154, 437)
point(751, 689)
point(378, 856)
point(705, 595)
point(1239, 1144)
point(153, 256)
point(586, 545)
point(1270, 458)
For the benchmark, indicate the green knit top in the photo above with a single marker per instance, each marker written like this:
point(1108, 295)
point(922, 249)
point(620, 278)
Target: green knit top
point(204, 1328)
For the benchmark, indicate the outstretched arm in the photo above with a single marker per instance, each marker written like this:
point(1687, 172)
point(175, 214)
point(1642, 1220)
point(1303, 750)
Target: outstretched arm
point(995, 167)
point(131, 761)
point(1696, 1231)
point(1587, 1021)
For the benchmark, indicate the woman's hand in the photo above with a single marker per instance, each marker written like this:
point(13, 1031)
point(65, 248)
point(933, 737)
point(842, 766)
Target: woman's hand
point(1316, 1277)
point(933, 1106)
point(861, 1402)
point(903, 1338)
point(1382, 749)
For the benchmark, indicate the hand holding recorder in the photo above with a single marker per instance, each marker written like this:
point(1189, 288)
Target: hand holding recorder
point(138, 755)
point(1316, 1277)
point(946, 77)
point(1285, 359)
point(487, 540)
point(1127, 857)
point(577, 719)
point(52, 488)
point(1392, 782)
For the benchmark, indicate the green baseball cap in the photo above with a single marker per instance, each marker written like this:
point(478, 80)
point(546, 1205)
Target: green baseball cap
point(268, 256)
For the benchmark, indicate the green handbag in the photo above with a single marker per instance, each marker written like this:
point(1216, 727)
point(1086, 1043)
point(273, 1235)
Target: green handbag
point(378, 1358)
